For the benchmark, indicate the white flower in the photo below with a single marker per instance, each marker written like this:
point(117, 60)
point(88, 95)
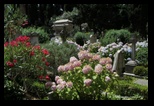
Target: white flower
point(137, 49)
point(110, 55)
point(129, 59)
point(129, 49)
point(120, 43)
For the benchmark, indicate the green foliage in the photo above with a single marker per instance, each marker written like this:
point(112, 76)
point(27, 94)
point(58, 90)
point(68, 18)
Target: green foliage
point(36, 31)
point(38, 89)
point(13, 18)
point(11, 90)
point(75, 29)
point(69, 15)
point(112, 35)
point(22, 62)
point(140, 70)
point(60, 54)
point(81, 38)
point(84, 78)
point(128, 88)
point(142, 56)
point(93, 48)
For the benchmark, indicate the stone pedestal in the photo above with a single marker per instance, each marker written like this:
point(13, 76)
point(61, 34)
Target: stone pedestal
point(130, 66)
point(63, 27)
point(132, 63)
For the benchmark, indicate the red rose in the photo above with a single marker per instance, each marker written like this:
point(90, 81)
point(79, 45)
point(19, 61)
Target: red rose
point(43, 59)
point(47, 77)
point(47, 63)
point(10, 64)
point(6, 44)
point(28, 44)
point(31, 53)
point(14, 61)
point(37, 47)
point(41, 77)
point(46, 52)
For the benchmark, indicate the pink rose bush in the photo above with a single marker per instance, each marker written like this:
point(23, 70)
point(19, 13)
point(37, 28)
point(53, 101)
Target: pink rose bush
point(85, 77)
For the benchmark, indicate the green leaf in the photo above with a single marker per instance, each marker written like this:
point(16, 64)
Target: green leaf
point(94, 77)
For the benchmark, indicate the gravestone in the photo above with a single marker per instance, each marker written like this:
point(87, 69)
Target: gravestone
point(84, 27)
point(132, 63)
point(93, 38)
point(119, 63)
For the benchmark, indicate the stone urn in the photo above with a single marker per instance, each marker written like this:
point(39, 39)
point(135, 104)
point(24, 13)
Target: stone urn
point(63, 28)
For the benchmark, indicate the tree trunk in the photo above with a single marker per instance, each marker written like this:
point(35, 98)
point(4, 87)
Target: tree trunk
point(22, 8)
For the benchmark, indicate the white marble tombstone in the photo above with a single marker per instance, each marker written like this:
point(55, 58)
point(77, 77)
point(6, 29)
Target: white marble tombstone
point(119, 63)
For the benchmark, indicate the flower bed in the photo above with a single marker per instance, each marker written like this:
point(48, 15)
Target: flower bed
point(85, 78)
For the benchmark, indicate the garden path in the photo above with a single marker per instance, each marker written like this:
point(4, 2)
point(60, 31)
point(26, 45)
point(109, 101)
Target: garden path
point(142, 82)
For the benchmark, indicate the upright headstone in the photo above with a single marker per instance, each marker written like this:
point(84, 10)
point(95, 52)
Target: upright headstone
point(93, 38)
point(132, 63)
point(119, 63)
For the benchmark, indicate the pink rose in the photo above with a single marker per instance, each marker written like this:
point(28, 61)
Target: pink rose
point(69, 84)
point(86, 69)
point(107, 78)
point(73, 59)
point(109, 66)
point(98, 68)
point(56, 78)
point(87, 82)
point(102, 61)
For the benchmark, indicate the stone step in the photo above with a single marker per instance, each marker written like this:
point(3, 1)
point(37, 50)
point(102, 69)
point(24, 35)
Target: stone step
point(136, 76)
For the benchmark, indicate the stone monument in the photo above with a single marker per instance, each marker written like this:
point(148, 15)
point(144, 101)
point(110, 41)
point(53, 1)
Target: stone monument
point(119, 63)
point(132, 63)
point(63, 27)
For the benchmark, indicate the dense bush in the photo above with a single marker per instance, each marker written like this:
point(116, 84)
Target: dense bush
point(93, 48)
point(12, 92)
point(128, 88)
point(140, 70)
point(60, 54)
point(13, 19)
point(36, 31)
point(142, 56)
point(86, 78)
point(112, 35)
point(22, 62)
point(39, 89)
point(81, 38)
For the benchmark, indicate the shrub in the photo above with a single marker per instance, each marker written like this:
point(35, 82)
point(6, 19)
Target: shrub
point(38, 31)
point(60, 54)
point(93, 48)
point(142, 56)
point(38, 89)
point(80, 38)
point(22, 61)
point(129, 88)
point(140, 70)
point(13, 18)
point(112, 35)
point(86, 78)
point(12, 92)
